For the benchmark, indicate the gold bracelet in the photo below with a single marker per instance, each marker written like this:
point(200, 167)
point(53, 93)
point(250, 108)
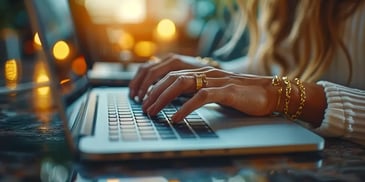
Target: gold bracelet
point(207, 61)
point(287, 96)
point(303, 98)
point(276, 81)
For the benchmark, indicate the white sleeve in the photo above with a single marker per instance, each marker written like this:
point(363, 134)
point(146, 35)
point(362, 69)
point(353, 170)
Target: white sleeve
point(345, 113)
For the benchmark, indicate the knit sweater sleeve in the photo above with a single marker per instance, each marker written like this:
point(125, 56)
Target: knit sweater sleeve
point(345, 113)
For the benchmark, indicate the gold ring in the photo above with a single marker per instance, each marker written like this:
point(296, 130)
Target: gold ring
point(200, 81)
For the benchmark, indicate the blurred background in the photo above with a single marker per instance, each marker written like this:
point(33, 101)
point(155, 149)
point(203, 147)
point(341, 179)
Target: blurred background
point(110, 31)
point(121, 29)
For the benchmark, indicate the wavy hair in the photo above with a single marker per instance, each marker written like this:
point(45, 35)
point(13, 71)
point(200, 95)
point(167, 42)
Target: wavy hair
point(313, 29)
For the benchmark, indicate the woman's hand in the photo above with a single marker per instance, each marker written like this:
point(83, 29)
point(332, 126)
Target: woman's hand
point(253, 95)
point(152, 71)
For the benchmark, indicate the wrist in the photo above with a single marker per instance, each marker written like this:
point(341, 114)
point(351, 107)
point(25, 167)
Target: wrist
point(290, 97)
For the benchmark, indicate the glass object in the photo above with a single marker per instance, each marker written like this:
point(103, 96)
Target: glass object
point(26, 104)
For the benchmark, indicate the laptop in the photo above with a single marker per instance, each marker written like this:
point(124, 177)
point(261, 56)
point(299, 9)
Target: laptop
point(103, 124)
point(112, 70)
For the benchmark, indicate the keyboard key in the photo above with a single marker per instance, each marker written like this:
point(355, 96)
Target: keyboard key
point(114, 138)
point(134, 124)
point(148, 137)
point(129, 137)
point(168, 137)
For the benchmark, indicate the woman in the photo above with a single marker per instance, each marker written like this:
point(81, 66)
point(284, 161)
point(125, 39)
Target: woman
point(303, 41)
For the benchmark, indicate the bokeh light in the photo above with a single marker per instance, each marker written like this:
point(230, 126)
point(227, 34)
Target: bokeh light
point(145, 48)
point(61, 50)
point(37, 40)
point(166, 29)
point(126, 41)
point(131, 11)
point(11, 72)
point(41, 76)
point(42, 96)
point(79, 66)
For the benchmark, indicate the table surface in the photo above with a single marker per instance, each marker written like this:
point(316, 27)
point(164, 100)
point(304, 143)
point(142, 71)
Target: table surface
point(32, 150)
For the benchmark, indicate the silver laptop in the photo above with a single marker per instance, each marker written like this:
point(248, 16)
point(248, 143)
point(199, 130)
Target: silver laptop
point(104, 124)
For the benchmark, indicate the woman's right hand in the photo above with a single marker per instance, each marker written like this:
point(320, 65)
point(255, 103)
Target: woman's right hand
point(151, 72)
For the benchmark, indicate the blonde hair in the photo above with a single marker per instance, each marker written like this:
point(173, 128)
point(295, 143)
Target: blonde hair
point(313, 28)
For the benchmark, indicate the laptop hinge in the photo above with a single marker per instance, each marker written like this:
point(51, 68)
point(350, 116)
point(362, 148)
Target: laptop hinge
point(89, 115)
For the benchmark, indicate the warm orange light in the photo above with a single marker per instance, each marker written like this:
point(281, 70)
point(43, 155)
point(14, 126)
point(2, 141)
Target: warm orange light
point(166, 29)
point(145, 48)
point(36, 40)
point(61, 50)
point(126, 41)
point(131, 11)
point(41, 76)
point(79, 66)
point(45, 90)
point(112, 11)
point(11, 73)
point(65, 81)
point(11, 70)
point(42, 99)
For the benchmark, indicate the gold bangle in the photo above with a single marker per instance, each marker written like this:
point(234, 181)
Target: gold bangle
point(276, 81)
point(303, 98)
point(287, 96)
point(208, 61)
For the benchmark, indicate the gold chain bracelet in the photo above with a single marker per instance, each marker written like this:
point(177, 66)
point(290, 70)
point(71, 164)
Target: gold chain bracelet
point(287, 95)
point(276, 81)
point(303, 98)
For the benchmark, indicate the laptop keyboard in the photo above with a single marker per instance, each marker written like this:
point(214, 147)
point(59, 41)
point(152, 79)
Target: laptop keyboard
point(127, 122)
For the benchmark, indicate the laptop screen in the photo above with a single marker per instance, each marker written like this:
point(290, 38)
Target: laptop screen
point(59, 39)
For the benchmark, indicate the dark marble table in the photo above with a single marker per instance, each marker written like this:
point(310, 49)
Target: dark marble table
point(33, 150)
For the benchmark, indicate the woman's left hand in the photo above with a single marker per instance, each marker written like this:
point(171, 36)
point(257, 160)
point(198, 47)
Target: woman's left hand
point(253, 95)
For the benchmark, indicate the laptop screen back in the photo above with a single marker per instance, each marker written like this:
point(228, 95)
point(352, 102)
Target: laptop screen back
point(59, 40)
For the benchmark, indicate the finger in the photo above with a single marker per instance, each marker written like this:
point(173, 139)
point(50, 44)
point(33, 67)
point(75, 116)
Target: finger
point(182, 85)
point(155, 73)
point(225, 95)
point(169, 64)
point(158, 88)
point(142, 71)
point(138, 78)
point(207, 70)
point(166, 81)
point(195, 70)
point(202, 97)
